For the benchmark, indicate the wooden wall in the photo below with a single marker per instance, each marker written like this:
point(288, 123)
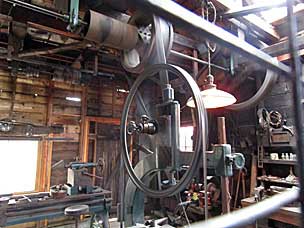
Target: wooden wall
point(281, 99)
point(41, 101)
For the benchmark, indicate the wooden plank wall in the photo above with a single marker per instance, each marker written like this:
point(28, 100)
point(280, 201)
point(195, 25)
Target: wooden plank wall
point(108, 148)
point(43, 102)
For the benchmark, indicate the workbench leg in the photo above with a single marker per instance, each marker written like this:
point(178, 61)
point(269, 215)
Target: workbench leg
point(105, 219)
point(76, 222)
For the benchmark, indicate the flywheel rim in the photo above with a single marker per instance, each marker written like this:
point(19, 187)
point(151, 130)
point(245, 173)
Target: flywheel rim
point(200, 137)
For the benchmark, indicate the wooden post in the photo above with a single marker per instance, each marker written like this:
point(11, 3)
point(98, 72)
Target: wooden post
point(83, 125)
point(224, 180)
point(221, 130)
point(84, 139)
point(44, 161)
point(40, 164)
point(13, 97)
point(49, 156)
point(48, 145)
point(50, 104)
point(253, 176)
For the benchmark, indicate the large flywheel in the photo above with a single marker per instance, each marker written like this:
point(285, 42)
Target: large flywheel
point(153, 132)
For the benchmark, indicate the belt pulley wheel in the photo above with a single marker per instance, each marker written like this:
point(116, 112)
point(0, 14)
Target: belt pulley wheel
point(199, 137)
point(145, 52)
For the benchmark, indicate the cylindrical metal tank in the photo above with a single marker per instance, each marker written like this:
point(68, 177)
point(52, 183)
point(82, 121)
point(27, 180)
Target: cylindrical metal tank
point(110, 32)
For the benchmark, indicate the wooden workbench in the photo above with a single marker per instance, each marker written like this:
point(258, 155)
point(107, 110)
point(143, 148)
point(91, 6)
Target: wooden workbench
point(289, 215)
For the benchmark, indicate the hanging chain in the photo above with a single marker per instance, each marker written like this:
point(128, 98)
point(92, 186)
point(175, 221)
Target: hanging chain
point(209, 47)
point(209, 61)
point(210, 4)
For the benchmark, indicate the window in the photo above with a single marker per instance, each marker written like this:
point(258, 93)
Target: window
point(18, 164)
point(185, 137)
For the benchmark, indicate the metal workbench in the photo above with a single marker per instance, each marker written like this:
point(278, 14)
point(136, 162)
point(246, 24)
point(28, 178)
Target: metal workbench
point(36, 209)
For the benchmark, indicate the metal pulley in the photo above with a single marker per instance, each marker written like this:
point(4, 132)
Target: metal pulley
point(146, 52)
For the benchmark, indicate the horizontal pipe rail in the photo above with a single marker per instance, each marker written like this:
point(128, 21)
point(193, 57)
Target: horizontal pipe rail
point(38, 9)
point(252, 213)
point(184, 56)
point(183, 18)
point(63, 17)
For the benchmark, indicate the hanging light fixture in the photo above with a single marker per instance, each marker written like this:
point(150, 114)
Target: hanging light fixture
point(213, 97)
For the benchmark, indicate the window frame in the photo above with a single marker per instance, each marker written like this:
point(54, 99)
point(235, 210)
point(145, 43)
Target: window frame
point(37, 167)
point(183, 150)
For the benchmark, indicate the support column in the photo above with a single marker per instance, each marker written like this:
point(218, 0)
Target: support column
point(224, 180)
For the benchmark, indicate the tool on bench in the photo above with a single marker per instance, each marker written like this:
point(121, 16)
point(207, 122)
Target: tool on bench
point(79, 180)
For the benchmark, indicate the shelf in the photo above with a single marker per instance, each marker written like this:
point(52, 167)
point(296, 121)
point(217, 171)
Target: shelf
point(277, 181)
point(280, 162)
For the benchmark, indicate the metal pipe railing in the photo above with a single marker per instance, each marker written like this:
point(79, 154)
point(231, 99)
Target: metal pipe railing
point(297, 80)
point(250, 214)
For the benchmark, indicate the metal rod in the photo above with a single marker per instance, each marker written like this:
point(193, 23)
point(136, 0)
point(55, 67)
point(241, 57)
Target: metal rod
point(30, 138)
point(250, 214)
point(195, 64)
point(63, 17)
point(59, 67)
point(184, 56)
point(256, 8)
point(46, 51)
point(92, 175)
point(297, 80)
point(203, 29)
point(38, 9)
point(36, 138)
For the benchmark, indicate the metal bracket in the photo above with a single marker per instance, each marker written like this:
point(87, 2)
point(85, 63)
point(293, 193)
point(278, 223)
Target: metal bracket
point(73, 19)
point(222, 160)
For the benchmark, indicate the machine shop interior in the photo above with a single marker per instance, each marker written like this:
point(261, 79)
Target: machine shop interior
point(151, 113)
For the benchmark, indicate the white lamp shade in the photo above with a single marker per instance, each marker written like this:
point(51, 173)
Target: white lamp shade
point(214, 98)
